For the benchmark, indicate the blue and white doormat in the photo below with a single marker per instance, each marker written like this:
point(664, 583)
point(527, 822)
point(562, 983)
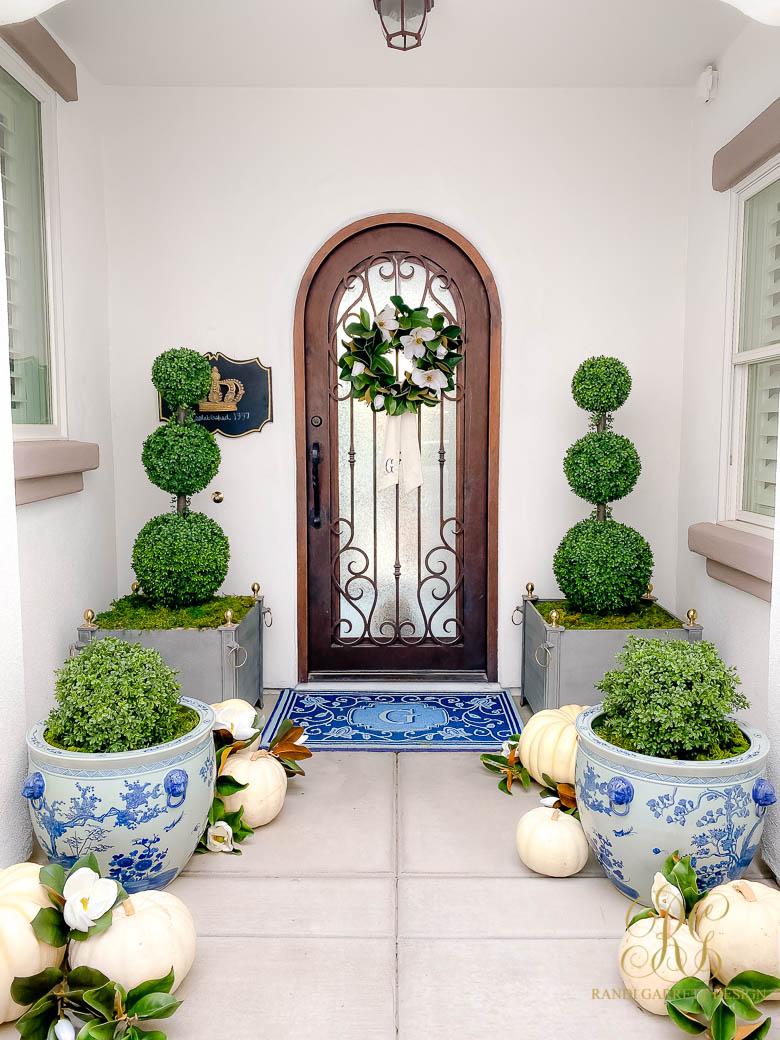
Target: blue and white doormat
point(398, 722)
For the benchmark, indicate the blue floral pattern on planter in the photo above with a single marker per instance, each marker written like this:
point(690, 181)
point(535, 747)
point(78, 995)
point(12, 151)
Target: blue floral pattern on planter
point(136, 810)
point(175, 784)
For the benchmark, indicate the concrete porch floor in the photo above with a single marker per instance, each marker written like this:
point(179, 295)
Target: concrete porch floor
point(387, 900)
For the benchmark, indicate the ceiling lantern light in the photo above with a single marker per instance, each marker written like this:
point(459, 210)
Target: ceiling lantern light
point(767, 11)
point(403, 22)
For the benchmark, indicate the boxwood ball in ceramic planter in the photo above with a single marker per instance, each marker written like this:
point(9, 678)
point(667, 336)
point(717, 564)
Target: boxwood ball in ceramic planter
point(638, 809)
point(140, 812)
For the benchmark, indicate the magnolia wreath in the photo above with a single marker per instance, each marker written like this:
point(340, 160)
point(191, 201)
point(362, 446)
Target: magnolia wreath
point(431, 345)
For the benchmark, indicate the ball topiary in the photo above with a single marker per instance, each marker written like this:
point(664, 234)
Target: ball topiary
point(601, 385)
point(181, 376)
point(114, 696)
point(602, 565)
point(181, 458)
point(180, 558)
point(602, 467)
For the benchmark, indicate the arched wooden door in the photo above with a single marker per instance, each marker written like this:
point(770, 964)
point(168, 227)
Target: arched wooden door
point(394, 585)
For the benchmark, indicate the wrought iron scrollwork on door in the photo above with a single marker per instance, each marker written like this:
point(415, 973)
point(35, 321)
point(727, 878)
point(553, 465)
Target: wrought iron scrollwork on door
point(396, 560)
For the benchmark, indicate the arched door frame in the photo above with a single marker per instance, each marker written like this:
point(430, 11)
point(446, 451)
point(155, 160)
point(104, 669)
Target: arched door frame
point(416, 220)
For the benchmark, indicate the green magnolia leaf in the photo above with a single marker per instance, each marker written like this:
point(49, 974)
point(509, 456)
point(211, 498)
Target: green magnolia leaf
point(34, 1024)
point(438, 322)
point(497, 759)
point(680, 873)
point(502, 786)
point(493, 768)
point(226, 785)
point(99, 926)
point(365, 318)
point(686, 1024)
point(89, 860)
point(741, 1003)
point(163, 985)
point(758, 985)
point(85, 978)
point(642, 915)
point(399, 305)
point(95, 1030)
point(156, 1005)
point(451, 331)
point(49, 926)
point(148, 1034)
point(355, 329)
point(549, 782)
point(760, 1031)
point(723, 1025)
point(708, 1001)
point(102, 999)
point(53, 876)
point(27, 989)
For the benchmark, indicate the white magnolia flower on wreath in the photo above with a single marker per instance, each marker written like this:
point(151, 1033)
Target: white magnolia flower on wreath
point(441, 351)
point(507, 746)
point(666, 896)
point(87, 897)
point(358, 368)
point(219, 837)
point(64, 1030)
point(431, 378)
point(379, 402)
point(237, 719)
point(387, 323)
point(416, 343)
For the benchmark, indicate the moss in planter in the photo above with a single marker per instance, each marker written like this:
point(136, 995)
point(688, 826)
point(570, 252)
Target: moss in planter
point(642, 616)
point(138, 612)
point(735, 743)
point(186, 721)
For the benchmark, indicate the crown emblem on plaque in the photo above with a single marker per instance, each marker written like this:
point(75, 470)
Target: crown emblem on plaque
point(219, 399)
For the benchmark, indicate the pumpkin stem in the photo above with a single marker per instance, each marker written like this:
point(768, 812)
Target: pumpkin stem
point(260, 753)
point(556, 814)
point(128, 907)
point(745, 891)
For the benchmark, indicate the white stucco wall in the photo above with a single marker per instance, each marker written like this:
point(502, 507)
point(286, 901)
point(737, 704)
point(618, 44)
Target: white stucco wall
point(738, 623)
point(217, 199)
point(67, 551)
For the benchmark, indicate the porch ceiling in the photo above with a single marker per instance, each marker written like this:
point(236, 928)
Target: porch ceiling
point(338, 42)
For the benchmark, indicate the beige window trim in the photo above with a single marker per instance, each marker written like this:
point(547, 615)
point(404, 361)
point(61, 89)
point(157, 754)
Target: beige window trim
point(37, 47)
point(749, 150)
point(737, 558)
point(47, 469)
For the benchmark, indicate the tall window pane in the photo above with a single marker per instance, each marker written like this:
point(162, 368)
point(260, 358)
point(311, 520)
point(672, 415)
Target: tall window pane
point(21, 168)
point(759, 320)
point(759, 474)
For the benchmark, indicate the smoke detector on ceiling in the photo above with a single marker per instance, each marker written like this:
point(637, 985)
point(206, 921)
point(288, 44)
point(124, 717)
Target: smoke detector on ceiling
point(707, 84)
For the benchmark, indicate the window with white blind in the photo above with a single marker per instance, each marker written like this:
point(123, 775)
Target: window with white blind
point(26, 131)
point(756, 355)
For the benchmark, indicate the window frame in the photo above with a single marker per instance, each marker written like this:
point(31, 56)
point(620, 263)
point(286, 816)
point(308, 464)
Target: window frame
point(736, 365)
point(57, 429)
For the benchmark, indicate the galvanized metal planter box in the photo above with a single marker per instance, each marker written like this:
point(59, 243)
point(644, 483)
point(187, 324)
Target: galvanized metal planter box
point(562, 666)
point(214, 664)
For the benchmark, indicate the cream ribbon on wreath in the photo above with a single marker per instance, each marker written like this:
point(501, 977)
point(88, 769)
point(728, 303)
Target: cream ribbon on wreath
point(401, 462)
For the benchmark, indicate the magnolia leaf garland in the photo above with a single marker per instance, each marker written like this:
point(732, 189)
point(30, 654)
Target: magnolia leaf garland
point(433, 347)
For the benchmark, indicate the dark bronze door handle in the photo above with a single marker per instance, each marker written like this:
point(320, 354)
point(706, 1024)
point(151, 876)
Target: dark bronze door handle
point(315, 455)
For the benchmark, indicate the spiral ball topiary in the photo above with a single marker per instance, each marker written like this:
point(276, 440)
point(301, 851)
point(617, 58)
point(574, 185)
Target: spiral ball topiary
point(180, 558)
point(601, 565)
point(180, 458)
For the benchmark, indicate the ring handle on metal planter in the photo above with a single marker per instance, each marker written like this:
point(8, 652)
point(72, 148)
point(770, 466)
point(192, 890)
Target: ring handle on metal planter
point(268, 618)
point(517, 610)
point(232, 650)
point(546, 647)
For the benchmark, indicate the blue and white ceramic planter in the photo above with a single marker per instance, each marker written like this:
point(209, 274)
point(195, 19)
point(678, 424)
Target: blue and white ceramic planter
point(636, 809)
point(140, 812)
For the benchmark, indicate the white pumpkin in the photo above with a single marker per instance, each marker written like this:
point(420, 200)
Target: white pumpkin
point(655, 953)
point(21, 952)
point(150, 933)
point(551, 842)
point(548, 744)
point(264, 797)
point(740, 924)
